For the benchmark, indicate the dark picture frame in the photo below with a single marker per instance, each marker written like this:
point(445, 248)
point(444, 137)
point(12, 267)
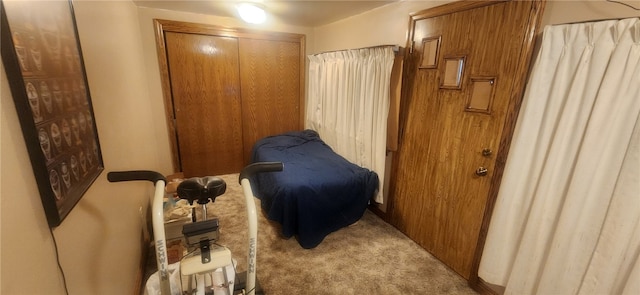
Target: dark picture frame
point(43, 61)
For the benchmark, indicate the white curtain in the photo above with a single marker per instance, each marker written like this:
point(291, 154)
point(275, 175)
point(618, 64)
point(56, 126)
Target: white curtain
point(348, 104)
point(567, 217)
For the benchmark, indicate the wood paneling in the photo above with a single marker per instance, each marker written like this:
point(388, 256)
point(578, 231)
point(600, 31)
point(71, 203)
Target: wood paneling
point(205, 82)
point(225, 88)
point(437, 198)
point(269, 106)
point(395, 88)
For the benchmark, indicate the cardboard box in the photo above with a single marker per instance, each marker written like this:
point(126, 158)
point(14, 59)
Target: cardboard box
point(175, 250)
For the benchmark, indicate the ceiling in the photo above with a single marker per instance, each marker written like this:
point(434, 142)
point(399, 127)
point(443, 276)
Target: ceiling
point(292, 12)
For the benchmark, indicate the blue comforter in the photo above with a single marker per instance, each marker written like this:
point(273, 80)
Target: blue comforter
point(317, 193)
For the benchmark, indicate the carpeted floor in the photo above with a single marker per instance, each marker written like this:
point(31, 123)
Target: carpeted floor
point(368, 257)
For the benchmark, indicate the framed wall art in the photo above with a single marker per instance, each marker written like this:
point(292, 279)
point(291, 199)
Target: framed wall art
point(43, 62)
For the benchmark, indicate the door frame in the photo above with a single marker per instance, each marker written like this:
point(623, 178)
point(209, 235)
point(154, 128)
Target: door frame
point(517, 92)
point(161, 26)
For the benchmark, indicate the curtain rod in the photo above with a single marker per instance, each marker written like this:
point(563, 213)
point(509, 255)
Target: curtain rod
point(396, 49)
point(625, 4)
point(594, 20)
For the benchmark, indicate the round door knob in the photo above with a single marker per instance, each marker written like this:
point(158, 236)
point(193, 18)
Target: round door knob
point(481, 171)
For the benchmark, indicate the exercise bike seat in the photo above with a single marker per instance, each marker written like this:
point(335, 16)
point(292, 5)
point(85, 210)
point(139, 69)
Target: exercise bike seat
point(201, 189)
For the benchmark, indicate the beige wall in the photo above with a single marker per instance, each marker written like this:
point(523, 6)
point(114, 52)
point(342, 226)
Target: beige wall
point(381, 26)
point(563, 11)
point(389, 24)
point(22, 222)
point(99, 240)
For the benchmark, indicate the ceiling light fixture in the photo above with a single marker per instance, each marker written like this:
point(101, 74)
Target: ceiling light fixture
point(251, 13)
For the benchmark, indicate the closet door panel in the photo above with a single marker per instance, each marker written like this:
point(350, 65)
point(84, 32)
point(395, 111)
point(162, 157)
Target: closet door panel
point(271, 88)
point(205, 88)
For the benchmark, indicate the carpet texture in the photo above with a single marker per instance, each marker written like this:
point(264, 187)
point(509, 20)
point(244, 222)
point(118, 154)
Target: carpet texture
point(368, 257)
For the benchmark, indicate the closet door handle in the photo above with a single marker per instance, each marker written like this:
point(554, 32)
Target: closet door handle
point(481, 171)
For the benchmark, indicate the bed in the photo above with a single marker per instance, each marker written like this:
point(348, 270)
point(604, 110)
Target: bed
point(317, 193)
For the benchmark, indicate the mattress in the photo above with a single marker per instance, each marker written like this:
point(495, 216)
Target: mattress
point(318, 191)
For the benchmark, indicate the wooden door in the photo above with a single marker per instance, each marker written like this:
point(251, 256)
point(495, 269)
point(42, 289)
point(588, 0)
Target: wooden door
point(270, 80)
point(205, 86)
point(226, 88)
point(463, 85)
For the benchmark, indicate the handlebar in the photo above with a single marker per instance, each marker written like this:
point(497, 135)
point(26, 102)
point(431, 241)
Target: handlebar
point(248, 171)
point(118, 176)
point(157, 218)
point(259, 167)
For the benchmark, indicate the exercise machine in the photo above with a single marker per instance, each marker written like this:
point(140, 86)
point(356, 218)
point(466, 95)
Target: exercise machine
point(207, 262)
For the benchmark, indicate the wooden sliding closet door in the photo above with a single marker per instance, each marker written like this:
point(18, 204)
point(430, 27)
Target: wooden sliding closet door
point(205, 85)
point(463, 84)
point(269, 106)
point(226, 88)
